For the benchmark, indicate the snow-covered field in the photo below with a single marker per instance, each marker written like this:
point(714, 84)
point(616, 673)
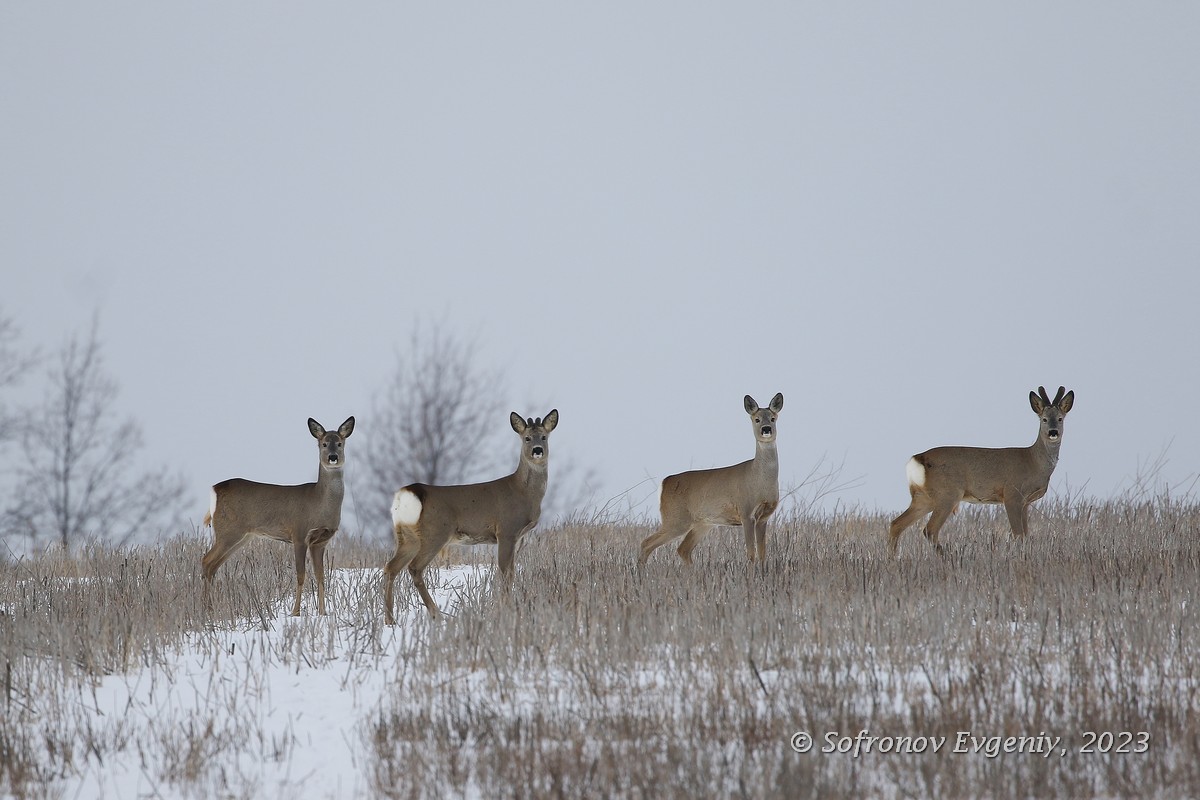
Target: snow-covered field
point(592, 677)
point(247, 710)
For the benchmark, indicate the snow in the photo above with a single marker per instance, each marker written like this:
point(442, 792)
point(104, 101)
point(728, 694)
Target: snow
point(307, 713)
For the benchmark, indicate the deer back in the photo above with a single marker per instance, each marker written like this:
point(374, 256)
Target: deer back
point(474, 511)
point(284, 512)
point(276, 511)
point(719, 496)
point(477, 512)
point(995, 475)
point(980, 474)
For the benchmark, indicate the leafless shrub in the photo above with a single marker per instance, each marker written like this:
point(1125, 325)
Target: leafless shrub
point(1148, 482)
point(824, 479)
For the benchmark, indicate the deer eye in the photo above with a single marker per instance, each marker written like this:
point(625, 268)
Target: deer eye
point(528, 439)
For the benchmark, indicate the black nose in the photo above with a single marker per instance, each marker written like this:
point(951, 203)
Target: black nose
point(766, 430)
point(333, 458)
point(538, 451)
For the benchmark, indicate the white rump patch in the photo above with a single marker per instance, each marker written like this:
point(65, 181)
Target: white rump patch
point(915, 472)
point(212, 504)
point(406, 508)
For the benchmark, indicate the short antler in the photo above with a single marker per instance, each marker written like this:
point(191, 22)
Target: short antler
point(941, 478)
point(426, 518)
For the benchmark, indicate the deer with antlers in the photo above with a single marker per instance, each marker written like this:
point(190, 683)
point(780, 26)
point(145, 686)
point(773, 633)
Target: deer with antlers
point(941, 478)
point(427, 518)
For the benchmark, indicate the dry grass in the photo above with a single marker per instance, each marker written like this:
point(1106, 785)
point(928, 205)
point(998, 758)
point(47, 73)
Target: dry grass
point(591, 677)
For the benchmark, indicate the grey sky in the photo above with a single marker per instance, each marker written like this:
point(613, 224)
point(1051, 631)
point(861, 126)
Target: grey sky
point(904, 216)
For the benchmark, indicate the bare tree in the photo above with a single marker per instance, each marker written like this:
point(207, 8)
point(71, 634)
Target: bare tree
point(13, 365)
point(443, 419)
point(78, 481)
point(436, 421)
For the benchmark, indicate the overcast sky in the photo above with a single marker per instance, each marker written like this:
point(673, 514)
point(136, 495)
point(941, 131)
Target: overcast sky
point(904, 216)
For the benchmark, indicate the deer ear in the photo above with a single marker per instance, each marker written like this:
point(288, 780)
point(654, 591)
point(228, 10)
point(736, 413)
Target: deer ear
point(751, 406)
point(1065, 404)
point(315, 428)
point(1036, 403)
point(551, 420)
point(517, 422)
point(346, 428)
point(777, 402)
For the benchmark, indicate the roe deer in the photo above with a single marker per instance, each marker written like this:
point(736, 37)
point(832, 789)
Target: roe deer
point(941, 478)
point(307, 516)
point(427, 518)
point(746, 494)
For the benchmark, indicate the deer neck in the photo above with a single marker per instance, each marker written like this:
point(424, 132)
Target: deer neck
point(331, 483)
point(1045, 452)
point(532, 479)
point(766, 458)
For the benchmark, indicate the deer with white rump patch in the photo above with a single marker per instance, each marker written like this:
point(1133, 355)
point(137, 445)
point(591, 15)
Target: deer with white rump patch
point(307, 516)
point(427, 518)
point(746, 494)
point(941, 478)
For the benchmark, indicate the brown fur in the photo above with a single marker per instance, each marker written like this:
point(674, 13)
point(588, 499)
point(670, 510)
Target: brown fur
point(745, 494)
point(1011, 476)
point(499, 511)
point(307, 516)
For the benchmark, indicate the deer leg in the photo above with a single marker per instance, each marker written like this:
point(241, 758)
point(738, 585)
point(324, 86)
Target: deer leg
point(941, 513)
point(407, 547)
point(754, 526)
point(748, 531)
point(690, 540)
point(668, 532)
point(221, 550)
point(1018, 515)
point(506, 547)
point(317, 539)
point(301, 549)
point(901, 523)
point(318, 560)
point(760, 538)
point(417, 570)
point(418, 579)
